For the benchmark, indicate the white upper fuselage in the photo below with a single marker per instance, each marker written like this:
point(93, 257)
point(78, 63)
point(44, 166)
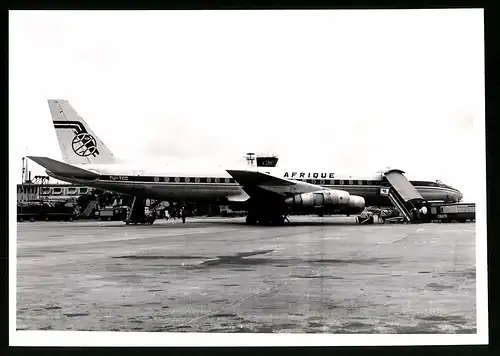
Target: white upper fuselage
point(176, 182)
point(128, 169)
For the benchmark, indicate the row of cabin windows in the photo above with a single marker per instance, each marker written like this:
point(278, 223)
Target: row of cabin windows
point(195, 180)
point(312, 181)
point(54, 190)
point(231, 180)
point(308, 180)
point(340, 182)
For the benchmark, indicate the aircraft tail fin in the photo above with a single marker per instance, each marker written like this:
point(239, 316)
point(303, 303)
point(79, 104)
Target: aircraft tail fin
point(77, 141)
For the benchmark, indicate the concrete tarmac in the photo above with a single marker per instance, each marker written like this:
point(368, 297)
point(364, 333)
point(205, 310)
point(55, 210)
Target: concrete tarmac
point(219, 275)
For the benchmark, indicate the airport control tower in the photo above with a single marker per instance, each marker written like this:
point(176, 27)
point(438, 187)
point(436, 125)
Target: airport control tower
point(261, 160)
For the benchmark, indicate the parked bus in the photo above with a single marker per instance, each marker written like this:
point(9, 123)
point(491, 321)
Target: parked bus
point(460, 212)
point(45, 211)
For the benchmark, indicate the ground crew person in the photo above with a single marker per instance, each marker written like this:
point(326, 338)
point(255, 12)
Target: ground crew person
point(423, 212)
point(183, 214)
point(415, 214)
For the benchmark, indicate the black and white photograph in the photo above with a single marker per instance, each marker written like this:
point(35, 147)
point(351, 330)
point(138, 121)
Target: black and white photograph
point(247, 177)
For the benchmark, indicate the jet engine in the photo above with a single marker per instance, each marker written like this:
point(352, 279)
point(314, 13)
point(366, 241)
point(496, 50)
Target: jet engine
point(323, 198)
point(356, 205)
point(333, 200)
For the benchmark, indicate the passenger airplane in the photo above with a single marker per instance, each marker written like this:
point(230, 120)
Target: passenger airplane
point(269, 193)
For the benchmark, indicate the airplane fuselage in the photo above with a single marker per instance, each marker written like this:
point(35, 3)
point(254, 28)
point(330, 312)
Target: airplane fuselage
point(216, 185)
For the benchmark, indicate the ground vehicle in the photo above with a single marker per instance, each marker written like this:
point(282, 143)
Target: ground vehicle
point(226, 211)
point(112, 214)
point(146, 220)
point(460, 212)
point(44, 211)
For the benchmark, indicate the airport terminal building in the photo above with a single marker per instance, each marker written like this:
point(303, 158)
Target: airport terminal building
point(28, 192)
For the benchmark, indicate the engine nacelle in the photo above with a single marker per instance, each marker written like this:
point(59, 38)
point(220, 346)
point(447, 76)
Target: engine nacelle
point(323, 198)
point(338, 201)
point(356, 205)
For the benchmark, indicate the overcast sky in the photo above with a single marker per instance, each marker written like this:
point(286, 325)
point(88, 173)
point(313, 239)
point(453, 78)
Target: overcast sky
point(350, 91)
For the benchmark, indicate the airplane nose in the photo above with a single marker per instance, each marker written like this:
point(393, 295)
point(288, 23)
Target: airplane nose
point(459, 197)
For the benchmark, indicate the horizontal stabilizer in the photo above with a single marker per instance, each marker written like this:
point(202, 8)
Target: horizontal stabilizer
point(62, 169)
point(253, 178)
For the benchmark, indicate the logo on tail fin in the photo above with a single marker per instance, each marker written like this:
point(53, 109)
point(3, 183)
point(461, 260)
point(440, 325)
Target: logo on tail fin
point(83, 144)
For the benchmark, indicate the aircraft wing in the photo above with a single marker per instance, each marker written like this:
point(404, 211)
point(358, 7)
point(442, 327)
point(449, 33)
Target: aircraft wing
point(238, 198)
point(253, 180)
point(62, 169)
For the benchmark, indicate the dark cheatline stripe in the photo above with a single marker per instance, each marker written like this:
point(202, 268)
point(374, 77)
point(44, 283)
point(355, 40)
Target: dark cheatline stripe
point(219, 180)
point(338, 183)
point(163, 179)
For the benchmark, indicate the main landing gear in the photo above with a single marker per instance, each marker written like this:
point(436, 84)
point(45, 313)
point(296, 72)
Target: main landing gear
point(137, 214)
point(261, 219)
point(265, 212)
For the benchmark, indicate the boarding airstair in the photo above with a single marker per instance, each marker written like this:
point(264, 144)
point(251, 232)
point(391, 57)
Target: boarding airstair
point(154, 204)
point(402, 193)
point(89, 208)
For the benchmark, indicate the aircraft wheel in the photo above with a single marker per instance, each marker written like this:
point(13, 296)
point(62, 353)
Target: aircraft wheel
point(270, 221)
point(32, 219)
point(20, 219)
point(70, 218)
point(250, 220)
point(278, 220)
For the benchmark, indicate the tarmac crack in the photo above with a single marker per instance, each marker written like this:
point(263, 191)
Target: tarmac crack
point(364, 252)
point(233, 304)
